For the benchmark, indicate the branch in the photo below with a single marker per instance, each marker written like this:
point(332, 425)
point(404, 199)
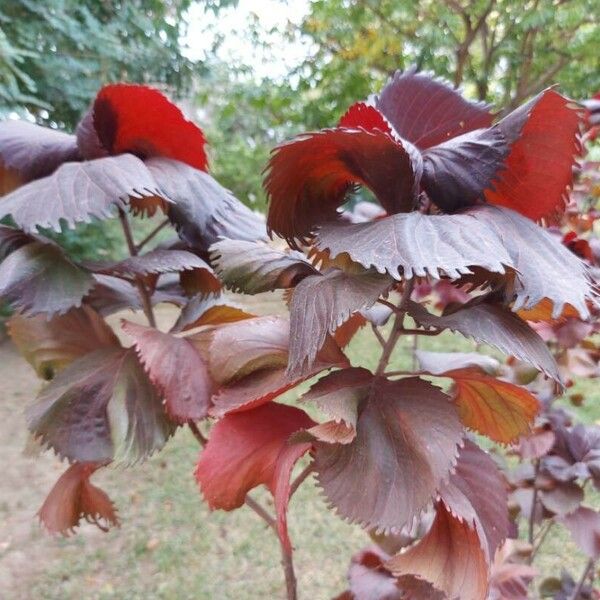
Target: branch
point(378, 335)
point(584, 576)
point(301, 478)
point(139, 282)
point(152, 234)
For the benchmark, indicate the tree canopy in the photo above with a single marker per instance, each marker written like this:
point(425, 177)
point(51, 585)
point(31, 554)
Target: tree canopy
point(54, 55)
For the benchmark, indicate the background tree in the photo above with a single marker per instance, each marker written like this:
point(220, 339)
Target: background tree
point(56, 54)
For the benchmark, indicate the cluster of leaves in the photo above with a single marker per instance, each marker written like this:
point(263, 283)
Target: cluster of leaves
point(459, 193)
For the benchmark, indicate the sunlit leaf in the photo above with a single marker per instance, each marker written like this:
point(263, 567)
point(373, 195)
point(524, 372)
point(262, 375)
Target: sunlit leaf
point(543, 134)
point(500, 410)
point(309, 177)
point(208, 310)
point(249, 449)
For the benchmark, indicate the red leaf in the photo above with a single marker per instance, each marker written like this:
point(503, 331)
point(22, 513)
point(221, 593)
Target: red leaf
point(28, 152)
point(476, 493)
point(426, 110)
point(248, 449)
point(449, 557)
point(500, 410)
point(364, 116)
point(539, 168)
point(393, 467)
point(74, 497)
point(140, 120)
point(176, 368)
point(310, 176)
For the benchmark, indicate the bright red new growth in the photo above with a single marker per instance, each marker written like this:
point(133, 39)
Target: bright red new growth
point(539, 169)
point(140, 120)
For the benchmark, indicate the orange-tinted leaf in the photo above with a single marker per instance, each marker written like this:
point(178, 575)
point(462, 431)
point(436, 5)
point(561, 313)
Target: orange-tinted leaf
point(427, 110)
point(73, 498)
point(49, 345)
point(208, 310)
point(544, 310)
point(310, 176)
point(248, 449)
point(344, 333)
point(393, 467)
point(140, 120)
point(449, 557)
point(176, 368)
point(498, 409)
point(539, 169)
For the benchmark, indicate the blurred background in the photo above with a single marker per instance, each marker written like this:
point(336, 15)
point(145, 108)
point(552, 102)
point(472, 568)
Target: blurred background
point(251, 73)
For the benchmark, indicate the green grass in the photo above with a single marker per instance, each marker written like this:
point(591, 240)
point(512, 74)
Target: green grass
point(171, 547)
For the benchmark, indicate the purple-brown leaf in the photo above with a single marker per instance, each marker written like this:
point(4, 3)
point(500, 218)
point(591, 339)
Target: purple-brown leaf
point(102, 407)
point(394, 466)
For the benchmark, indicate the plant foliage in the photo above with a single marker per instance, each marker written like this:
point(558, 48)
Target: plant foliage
point(461, 243)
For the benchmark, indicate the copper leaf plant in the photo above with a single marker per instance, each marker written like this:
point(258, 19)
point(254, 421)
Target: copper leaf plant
point(459, 240)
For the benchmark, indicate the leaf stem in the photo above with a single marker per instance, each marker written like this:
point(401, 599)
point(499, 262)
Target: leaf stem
point(287, 562)
point(539, 539)
point(133, 251)
point(533, 506)
point(397, 329)
point(586, 571)
point(301, 477)
point(152, 234)
point(378, 335)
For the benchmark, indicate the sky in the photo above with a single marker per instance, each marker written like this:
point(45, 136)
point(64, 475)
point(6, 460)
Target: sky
point(233, 24)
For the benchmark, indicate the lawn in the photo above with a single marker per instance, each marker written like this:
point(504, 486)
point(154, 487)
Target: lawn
point(169, 545)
